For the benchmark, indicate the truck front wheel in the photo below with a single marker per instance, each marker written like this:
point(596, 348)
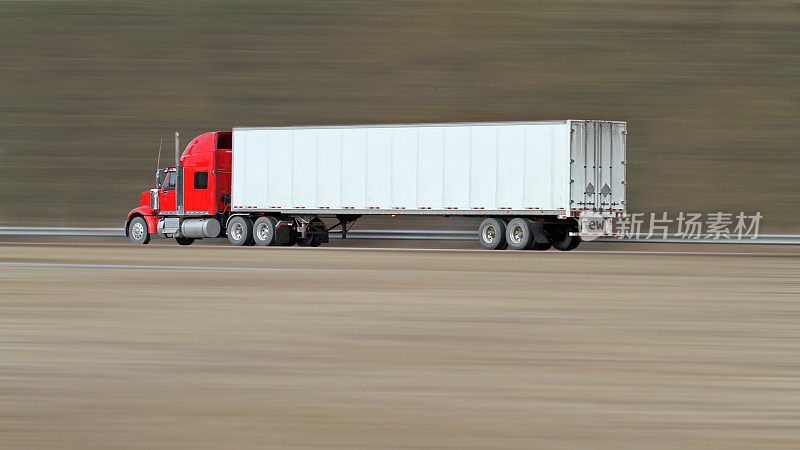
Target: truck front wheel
point(137, 231)
point(240, 231)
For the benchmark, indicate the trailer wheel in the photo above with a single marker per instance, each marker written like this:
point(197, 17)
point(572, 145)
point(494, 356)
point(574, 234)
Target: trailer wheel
point(264, 230)
point(137, 231)
point(558, 235)
point(240, 231)
point(184, 240)
point(570, 243)
point(492, 234)
point(519, 234)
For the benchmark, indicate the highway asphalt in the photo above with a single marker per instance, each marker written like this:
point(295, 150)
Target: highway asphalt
point(108, 345)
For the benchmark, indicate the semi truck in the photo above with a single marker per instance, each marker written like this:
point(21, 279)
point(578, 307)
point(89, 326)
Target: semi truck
point(527, 184)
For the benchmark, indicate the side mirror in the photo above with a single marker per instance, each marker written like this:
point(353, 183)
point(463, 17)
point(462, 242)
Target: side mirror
point(159, 179)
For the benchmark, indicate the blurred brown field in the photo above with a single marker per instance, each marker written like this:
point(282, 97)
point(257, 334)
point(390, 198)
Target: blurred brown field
point(710, 88)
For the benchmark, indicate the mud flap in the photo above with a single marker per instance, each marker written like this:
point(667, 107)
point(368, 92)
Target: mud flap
point(283, 232)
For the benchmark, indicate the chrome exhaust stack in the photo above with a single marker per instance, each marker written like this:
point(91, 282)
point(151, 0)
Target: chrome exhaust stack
point(179, 176)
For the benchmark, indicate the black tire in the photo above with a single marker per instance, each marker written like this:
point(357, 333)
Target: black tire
point(184, 240)
point(137, 231)
point(311, 241)
point(240, 231)
point(558, 235)
point(570, 243)
point(314, 240)
point(264, 231)
point(492, 234)
point(519, 234)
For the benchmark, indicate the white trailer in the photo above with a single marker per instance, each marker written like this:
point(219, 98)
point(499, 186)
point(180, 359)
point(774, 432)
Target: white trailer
point(530, 181)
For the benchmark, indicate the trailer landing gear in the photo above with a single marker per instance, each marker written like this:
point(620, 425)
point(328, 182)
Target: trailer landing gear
point(344, 219)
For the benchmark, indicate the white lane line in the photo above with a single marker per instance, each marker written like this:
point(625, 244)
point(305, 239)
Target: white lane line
point(145, 267)
point(678, 253)
point(528, 252)
point(294, 269)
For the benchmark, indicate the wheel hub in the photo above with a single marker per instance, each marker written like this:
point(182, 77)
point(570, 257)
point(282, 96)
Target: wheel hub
point(516, 234)
point(137, 231)
point(489, 234)
point(263, 232)
point(237, 231)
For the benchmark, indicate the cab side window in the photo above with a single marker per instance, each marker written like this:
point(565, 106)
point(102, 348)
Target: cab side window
point(169, 183)
point(201, 180)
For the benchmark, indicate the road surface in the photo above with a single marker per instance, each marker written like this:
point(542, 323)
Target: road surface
point(115, 346)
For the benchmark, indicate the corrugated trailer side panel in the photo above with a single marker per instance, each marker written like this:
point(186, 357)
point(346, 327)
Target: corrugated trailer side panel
point(447, 168)
point(328, 179)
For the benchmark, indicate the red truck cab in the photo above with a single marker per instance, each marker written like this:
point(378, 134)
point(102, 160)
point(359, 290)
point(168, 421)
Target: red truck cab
point(191, 201)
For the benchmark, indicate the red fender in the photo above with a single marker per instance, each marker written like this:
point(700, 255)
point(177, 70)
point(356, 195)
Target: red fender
point(149, 217)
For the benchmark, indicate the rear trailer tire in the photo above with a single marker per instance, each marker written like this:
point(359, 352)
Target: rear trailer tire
point(184, 240)
point(519, 234)
point(264, 231)
point(137, 231)
point(540, 246)
point(570, 243)
point(492, 234)
point(558, 235)
point(240, 231)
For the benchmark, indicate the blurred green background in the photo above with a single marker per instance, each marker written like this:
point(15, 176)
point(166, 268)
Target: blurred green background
point(711, 90)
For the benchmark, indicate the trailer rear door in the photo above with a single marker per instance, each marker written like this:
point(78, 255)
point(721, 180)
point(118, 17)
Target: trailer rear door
point(597, 167)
